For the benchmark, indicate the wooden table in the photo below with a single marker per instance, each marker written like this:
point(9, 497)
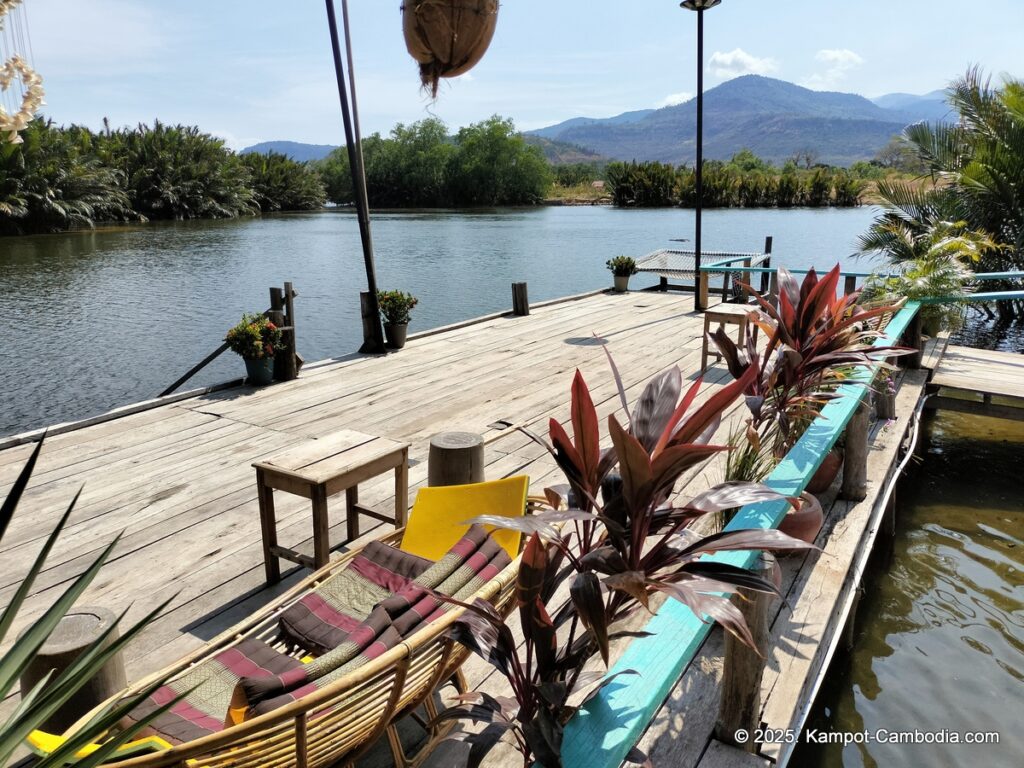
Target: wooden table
point(320, 468)
point(738, 314)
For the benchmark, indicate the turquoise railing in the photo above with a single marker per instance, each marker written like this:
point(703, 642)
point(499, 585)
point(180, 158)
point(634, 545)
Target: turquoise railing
point(607, 728)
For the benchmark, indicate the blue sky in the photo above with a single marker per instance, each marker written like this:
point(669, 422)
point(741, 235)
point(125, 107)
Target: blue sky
point(255, 70)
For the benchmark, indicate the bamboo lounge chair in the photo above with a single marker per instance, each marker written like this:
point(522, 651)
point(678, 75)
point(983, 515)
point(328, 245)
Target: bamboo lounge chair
point(319, 674)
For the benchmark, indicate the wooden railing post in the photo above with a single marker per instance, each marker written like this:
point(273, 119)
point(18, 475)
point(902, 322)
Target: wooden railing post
point(702, 290)
point(773, 288)
point(520, 299)
point(739, 709)
point(885, 393)
point(914, 339)
point(767, 262)
point(855, 463)
point(850, 284)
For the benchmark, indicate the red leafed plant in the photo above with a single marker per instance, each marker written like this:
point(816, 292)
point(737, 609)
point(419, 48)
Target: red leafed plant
point(814, 338)
point(576, 582)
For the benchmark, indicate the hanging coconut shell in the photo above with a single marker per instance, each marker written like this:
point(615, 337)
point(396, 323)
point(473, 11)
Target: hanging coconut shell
point(447, 37)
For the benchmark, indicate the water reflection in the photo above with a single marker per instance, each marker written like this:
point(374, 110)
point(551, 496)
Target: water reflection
point(102, 318)
point(941, 632)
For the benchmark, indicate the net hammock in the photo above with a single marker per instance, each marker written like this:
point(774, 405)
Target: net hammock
point(21, 87)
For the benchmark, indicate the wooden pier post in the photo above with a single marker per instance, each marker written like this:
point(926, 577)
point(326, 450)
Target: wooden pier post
point(766, 263)
point(703, 279)
point(293, 361)
point(773, 288)
point(370, 319)
point(276, 316)
point(849, 285)
point(520, 299)
point(739, 708)
point(885, 394)
point(855, 464)
point(455, 458)
point(914, 339)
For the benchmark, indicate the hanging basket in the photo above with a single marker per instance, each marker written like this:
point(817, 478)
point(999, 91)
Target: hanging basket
point(447, 37)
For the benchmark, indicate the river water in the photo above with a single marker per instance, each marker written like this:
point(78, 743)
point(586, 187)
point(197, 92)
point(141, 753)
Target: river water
point(111, 316)
point(940, 640)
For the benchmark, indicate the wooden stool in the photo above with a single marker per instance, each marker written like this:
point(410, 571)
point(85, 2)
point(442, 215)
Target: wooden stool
point(320, 468)
point(456, 458)
point(76, 632)
point(736, 314)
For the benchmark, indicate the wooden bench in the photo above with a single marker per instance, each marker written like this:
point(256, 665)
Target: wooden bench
point(324, 467)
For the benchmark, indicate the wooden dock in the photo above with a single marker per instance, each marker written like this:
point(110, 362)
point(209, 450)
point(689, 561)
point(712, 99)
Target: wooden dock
point(176, 481)
point(979, 381)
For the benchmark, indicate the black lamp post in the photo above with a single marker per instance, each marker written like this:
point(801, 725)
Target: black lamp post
point(699, 6)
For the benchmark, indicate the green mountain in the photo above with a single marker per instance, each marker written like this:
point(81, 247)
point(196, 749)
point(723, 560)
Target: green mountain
point(563, 153)
point(775, 119)
point(293, 149)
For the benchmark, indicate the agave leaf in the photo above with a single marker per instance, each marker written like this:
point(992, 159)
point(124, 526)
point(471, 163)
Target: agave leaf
point(585, 592)
point(14, 495)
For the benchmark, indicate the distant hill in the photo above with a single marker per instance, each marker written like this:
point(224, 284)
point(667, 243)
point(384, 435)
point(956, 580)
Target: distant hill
point(294, 149)
point(563, 153)
point(773, 118)
point(931, 107)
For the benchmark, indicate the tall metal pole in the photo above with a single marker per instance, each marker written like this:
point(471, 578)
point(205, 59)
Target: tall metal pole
point(697, 304)
point(373, 341)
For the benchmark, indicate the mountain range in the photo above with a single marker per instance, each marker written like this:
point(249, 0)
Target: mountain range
point(775, 119)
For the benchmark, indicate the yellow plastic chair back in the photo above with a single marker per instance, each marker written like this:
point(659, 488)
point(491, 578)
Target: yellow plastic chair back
point(437, 519)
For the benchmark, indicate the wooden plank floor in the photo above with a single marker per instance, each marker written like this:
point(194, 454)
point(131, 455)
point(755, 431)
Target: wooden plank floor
point(176, 482)
point(980, 381)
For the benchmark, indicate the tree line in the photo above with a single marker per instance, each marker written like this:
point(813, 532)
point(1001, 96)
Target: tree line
point(420, 165)
point(62, 178)
point(744, 181)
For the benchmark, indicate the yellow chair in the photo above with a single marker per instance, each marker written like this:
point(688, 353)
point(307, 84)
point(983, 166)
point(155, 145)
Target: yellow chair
point(438, 517)
point(44, 744)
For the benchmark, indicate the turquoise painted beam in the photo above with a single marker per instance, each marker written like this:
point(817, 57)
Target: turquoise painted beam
point(978, 296)
point(602, 733)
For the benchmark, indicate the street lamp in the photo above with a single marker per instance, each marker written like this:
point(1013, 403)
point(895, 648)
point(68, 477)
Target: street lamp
point(699, 6)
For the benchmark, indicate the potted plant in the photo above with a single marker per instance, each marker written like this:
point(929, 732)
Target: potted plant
point(394, 307)
point(622, 268)
point(256, 339)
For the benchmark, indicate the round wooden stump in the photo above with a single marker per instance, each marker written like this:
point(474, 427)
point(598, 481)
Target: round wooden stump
point(78, 631)
point(456, 458)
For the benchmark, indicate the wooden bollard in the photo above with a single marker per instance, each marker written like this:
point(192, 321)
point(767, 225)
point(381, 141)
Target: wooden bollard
point(885, 395)
point(849, 284)
point(739, 708)
point(78, 631)
point(703, 288)
point(292, 361)
point(455, 458)
point(520, 299)
point(855, 463)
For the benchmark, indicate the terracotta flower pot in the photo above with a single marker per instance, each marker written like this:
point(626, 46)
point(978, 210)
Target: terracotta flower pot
point(395, 334)
point(804, 523)
point(621, 283)
point(826, 474)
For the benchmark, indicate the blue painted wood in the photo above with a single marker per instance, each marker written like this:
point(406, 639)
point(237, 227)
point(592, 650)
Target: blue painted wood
point(602, 733)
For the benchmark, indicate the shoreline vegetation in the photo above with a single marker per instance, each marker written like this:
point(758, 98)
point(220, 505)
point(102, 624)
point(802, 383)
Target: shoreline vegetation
point(66, 178)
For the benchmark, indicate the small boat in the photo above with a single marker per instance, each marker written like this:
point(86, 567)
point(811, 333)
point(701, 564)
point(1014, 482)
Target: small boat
point(323, 671)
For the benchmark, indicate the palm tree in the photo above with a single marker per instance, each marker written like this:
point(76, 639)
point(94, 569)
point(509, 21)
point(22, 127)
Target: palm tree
point(282, 184)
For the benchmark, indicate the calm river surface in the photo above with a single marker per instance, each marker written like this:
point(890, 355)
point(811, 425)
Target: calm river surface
point(107, 317)
point(940, 640)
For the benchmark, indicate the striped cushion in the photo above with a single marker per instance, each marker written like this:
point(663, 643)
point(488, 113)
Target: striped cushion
point(323, 619)
point(468, 566)
point(205, 709)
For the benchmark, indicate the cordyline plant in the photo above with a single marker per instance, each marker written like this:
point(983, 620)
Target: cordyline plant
point(814, 338)
point(55, 690)
point(612, 556)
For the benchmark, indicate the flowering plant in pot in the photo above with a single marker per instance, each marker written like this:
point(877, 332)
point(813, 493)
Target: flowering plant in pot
point(257, 340)
point(622, 268)
point(585, 569)
point(395, 307)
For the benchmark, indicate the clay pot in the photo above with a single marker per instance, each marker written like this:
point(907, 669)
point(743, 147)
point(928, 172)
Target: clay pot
point(447, 37)
point(826, 474)
point(804, 523)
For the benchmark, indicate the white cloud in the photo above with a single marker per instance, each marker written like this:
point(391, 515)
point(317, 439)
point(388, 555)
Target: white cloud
point(675, 98)
point(838, 62)
point(729, 64)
